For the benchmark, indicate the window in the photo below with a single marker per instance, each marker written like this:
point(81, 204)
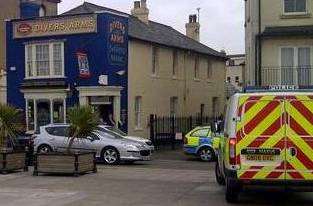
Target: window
point(173, 106)
point(295, 66)
point(231, 62)
point(295, 6)
point(42, 11)
point(237, 79)
point(215, 106)
point(209, 69)
point(58, 131)
point(197, 67)
point(228, 79)
point(155, 60)
point(138, 112)
point(200, 133)
point(44, 60)
point(175, 63)
point(41, 112)
point(202, 108)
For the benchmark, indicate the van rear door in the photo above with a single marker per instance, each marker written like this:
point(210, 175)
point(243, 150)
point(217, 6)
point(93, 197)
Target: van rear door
point(299, 134)
point(260, 138)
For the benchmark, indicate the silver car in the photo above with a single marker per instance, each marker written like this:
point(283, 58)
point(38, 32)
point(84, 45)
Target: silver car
point(110, 147)
point(110, 129)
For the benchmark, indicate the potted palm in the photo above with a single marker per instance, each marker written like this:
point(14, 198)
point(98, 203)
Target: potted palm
point(10, 125)
point(82, 123)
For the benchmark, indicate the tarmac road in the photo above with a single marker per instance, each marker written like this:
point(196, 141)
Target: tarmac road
point(170, 179)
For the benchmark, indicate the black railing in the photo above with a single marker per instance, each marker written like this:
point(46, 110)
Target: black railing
point(169, 131)
point(302, 76)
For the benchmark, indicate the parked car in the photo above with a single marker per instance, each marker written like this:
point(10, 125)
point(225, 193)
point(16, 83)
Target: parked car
point(199, 142)
point(111, 148)
point(115, 130)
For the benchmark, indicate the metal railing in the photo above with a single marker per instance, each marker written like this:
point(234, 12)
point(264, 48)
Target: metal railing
point(302, 76)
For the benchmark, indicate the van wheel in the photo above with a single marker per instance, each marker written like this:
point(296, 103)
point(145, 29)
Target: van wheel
point(206, 154)
point(218, 176)
point(232, 191)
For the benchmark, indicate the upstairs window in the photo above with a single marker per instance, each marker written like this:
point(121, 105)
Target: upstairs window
point(138, 112)
point(295, 6)
point(155, 61)
point(175, 63)
point(173, 106)
point(209, 69)
point(44, 60)
point(197, 72)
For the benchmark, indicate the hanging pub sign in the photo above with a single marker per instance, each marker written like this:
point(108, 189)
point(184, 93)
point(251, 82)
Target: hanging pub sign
point(55, 26)
point(83, 64)
point(117, 41)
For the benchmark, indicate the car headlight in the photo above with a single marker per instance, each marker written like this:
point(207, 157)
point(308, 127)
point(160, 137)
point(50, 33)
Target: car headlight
point(131, 147)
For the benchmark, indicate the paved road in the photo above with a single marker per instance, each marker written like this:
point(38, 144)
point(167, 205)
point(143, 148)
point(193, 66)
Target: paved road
point(169, 180)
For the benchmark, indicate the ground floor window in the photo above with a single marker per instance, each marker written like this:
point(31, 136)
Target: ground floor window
point(41, 112)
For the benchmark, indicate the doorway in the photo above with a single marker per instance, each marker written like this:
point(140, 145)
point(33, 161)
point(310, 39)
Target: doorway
point(106, 114)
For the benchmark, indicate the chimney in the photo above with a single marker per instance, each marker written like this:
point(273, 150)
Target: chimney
point(193, 28)
point(141, 11)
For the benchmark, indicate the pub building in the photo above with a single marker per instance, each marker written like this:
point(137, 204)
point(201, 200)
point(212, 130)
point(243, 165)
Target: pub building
point(125, 66)
point(58, 62)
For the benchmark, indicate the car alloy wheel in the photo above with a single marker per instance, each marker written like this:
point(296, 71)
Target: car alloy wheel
point(44, 149)
point(110, 156)
point(206, 154)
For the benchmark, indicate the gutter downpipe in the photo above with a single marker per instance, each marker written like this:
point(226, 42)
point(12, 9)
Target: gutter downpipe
point(259, 49)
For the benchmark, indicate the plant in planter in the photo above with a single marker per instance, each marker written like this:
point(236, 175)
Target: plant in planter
point(10, 125)
point(82, 123)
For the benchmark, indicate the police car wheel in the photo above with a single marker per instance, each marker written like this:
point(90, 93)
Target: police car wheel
point(232, 191)
point(206, 154)
point(218, 176)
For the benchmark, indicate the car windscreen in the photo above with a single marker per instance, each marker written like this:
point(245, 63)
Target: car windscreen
point(108, 133)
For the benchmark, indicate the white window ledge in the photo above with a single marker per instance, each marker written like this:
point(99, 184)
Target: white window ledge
point(294, 15)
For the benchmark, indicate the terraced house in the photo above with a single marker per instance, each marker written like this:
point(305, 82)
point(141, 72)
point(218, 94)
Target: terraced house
point(124, 65)
point(279, 43)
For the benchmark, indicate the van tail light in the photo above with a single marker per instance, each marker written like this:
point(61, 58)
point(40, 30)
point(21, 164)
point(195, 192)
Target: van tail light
point(232, 151)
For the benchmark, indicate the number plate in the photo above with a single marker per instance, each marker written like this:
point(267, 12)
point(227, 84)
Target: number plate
point(260, 158)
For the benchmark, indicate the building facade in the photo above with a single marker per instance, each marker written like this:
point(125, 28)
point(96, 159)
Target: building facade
point(279, 42)
point(235, 68)
point(125, 66)
point(12, 9)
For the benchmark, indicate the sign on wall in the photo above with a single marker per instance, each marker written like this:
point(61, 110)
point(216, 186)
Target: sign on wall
point(117, 42)
point(55, 26)
point(83, 64)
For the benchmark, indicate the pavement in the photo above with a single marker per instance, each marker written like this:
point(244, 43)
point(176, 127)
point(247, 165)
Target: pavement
point(170, 179)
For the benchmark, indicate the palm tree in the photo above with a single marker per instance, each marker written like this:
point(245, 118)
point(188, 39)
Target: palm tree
point(83, 121)
point(10, 124)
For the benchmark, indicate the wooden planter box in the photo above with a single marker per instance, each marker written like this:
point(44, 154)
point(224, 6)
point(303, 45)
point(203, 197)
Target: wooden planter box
point(59, 163)
point(12, 161)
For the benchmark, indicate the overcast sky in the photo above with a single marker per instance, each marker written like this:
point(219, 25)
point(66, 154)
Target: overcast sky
point(222, 21)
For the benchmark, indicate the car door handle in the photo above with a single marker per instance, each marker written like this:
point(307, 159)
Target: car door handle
point(293, 151)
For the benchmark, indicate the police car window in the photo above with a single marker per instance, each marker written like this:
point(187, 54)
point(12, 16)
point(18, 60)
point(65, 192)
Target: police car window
point(58, 131)
point(200, 133)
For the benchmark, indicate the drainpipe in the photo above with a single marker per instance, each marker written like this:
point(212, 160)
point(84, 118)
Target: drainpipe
point(258, 47)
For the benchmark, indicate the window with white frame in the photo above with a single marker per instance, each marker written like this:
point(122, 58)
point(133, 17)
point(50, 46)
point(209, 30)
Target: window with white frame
point(44, 60)
point(43, 111)
point(295, 6)
point(296, 66)
point(138, 112)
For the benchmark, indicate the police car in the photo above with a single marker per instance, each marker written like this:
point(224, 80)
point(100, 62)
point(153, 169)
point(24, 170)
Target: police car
point(268, 141)
point(198, 142)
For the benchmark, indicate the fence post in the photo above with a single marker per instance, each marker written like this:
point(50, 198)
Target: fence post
point(152, 128)
point(173, 131)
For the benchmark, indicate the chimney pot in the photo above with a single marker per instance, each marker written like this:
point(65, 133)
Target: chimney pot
point(137, 4)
